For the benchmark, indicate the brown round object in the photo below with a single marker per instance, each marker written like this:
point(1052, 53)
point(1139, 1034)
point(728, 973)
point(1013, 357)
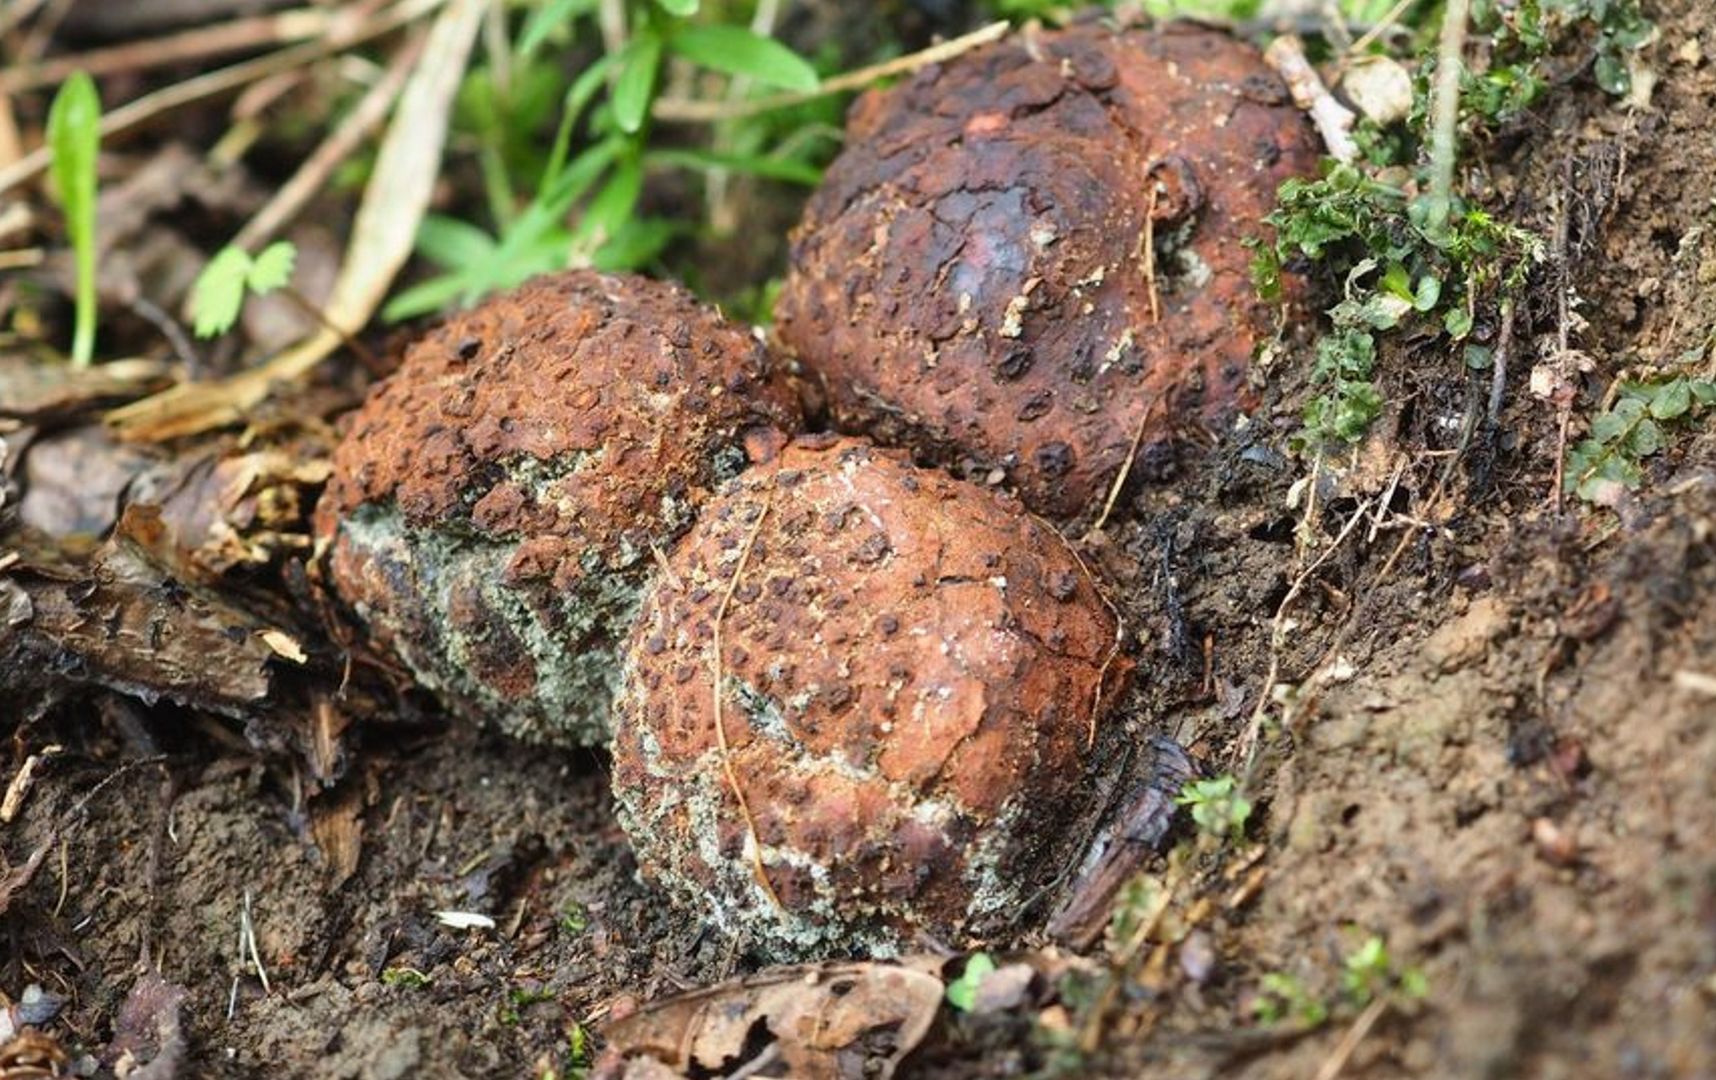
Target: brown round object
point(910, 669)
point(495, 504)
point(972, 280)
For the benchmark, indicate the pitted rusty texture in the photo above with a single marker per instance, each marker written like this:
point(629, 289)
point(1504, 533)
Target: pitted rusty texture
point(495, 504)
point(909, 673)
point(972, 280)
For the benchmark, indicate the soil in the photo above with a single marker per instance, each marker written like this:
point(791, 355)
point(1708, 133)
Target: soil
point(1500, 757)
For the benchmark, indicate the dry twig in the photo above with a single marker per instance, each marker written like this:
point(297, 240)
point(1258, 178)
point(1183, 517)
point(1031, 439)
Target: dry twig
point(393, 204)
point(757, 869)
point(682, 110)
point(314, 172)
point(235, 35)
point(226, 79)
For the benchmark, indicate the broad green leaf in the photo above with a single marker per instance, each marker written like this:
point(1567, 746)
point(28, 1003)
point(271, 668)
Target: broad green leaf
point(682, 8)
point(635, 86)
point(272, 268)
point(1646, 439)
point(1385, 310)
point(452, 242)
point(74, 137)
point(1397, 281)
point(737, 51)
point(1429, 293)
point(962, 992)
point(218, 293)
point(1671, 400)
point(549, 17)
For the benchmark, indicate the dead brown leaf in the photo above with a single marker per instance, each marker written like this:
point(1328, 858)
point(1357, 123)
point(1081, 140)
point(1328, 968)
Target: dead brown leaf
point(822, 1022)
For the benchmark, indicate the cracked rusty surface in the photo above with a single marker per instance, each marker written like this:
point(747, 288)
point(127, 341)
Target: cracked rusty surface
point(495, 504)
point(971, 278)
point(910, 667)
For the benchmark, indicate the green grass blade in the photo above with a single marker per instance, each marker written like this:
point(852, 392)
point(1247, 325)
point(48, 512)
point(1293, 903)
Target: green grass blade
point(736, 51)
point(74, 136)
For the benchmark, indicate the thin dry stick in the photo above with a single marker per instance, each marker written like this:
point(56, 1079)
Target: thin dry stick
point(394, 201)
point(1246, 751)
point(338, 146)
point(228, 37)
point(757, 869)
point(1369, 36)
point(225, 79)
point(36, 40)
point(1498, 364)
point(681, 110)
point(1563, 331)
point(1343, 1051)
point(1125, 470)
point(18, 13)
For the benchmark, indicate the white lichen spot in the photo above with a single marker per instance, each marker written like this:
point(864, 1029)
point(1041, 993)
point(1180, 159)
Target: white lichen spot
point(1013, 319)
point(1117, 350)
point(1193, 269)
point(1091, 280)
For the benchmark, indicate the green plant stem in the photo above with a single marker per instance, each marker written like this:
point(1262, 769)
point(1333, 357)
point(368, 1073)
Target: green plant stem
point(1445, 113)
point(83, 337)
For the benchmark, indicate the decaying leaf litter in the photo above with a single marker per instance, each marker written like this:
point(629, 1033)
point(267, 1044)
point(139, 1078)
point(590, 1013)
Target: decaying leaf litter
point(1438, 703)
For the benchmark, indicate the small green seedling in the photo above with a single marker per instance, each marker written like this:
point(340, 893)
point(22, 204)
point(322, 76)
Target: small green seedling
point(1611, 458)
point(1283, 999)
point(74, 136)
point(580, 1054)
point(1219, 808)
point(409, 978)
point(218, 295)
point(574, 920)
point(962, 992)
point(1370, 972)
point(519, 1000)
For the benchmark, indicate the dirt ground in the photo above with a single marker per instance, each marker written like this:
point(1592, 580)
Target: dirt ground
point(1500, 758)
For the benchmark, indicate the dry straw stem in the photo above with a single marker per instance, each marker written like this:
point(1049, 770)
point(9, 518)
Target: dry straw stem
point(757, 869)
point(683, 110)
point(236, 35)
point(339, 38)
point(393, 204)
point(341, 144)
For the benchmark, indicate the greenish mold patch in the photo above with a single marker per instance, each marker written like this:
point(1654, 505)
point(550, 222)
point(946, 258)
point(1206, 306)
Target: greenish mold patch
point(571, 637)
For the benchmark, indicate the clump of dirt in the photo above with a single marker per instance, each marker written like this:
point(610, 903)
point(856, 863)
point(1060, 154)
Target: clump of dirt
point(1033, 258)
point(496, 504)
point(913, 671)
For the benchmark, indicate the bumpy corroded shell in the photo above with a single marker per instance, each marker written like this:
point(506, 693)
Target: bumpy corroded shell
point(910, 668)
point(495, 503)
point(972, 278)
